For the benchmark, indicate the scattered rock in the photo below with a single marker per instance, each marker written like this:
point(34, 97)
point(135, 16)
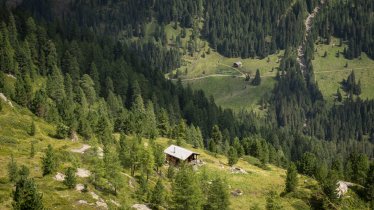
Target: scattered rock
point(140, 207)
point(100, 152)
point(82, 202)
point(115, 203)
point(59, 177)
point(236, 170)
point(5, 99)
point(237, 193)
point(94, 195)
point(11, 76)
point(82, 150)
point(83, 173)
point(101, 204)
point(342, 188)
point(79, 187)
point(74, 136)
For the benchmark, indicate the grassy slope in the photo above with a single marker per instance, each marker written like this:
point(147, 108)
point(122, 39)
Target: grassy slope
point(14, 123)
point(330, 71)
point(229, 92)
point(15, 140)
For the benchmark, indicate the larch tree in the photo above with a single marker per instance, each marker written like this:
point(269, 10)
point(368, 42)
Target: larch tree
point(218, 195)
point(186, 192)
point(158, 196)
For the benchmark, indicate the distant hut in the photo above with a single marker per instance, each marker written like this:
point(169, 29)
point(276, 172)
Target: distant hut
point(176, 155)
point(238, 64)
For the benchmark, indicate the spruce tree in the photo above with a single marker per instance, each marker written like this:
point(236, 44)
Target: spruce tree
point(163, 123)
point(26, 195)
point(257, 80)
point(291, 180)
point(70, 180)
point(55, 85)
point(151, 122)
point(329, 186)
point(49, 161)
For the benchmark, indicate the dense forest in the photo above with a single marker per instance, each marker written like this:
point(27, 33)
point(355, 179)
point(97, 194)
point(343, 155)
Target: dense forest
point(84, 66)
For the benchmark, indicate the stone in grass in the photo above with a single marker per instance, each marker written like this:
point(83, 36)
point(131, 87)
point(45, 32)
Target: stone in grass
point(237, 193)
point(59, 177)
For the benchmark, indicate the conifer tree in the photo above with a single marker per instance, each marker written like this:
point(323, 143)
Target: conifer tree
point(32, 149)
point(6, 51)
point(113, 169)
point(26, 195)
point(24, 172)
point(163, 123)
point(272, 202)
point(138, 116)
point(216, 139)
point(70, 180)
point(329, 186)
point(32, 130)
point(186, 193)
point(151, 122)
point(51, 58)
point(94, 73)
point(55, 85)
point(159, 156)
point(291, 179)
point(232, 156)
point(12, 28)
point(12, 170)
point(158, 196)
point(370, 185)
point(147, 161)
point(49, 161)
point(88, 87)
point(218, 196)
point(143, 191)
point(257, 80)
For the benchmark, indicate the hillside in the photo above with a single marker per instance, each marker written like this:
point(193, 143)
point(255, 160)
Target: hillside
point(274, 96)
point(14, 134)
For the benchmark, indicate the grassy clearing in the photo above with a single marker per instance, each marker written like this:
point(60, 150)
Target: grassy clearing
point(233, 92)
point(331, 70)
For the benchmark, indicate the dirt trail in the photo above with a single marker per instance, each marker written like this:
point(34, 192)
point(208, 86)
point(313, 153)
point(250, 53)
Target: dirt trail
point(308, 29)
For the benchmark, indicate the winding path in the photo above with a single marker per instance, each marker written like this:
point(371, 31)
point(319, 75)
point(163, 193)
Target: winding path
point(308, 29)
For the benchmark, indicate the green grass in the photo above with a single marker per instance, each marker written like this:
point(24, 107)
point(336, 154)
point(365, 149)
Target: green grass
point(14, 123)
point(330, 71)
point(233, 92)
point(229, 91)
